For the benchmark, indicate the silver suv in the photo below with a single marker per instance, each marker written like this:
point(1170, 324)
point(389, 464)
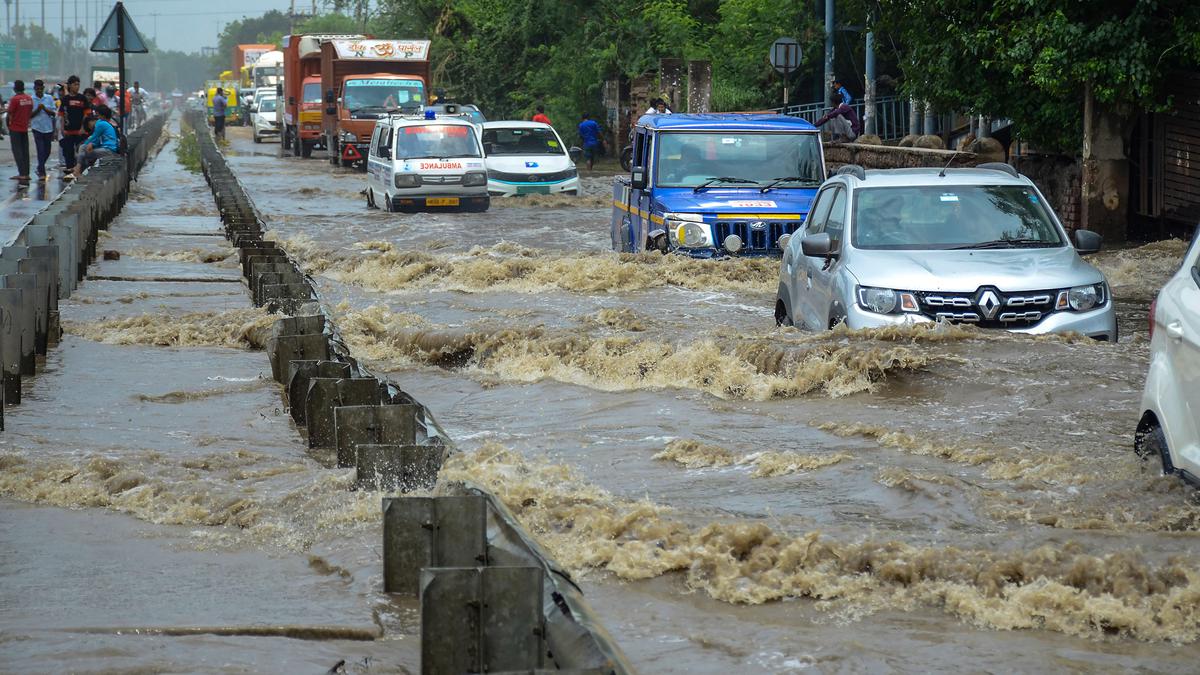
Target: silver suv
point(979, 246)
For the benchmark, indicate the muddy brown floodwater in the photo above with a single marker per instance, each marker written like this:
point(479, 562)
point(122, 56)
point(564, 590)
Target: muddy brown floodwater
point(732, 496)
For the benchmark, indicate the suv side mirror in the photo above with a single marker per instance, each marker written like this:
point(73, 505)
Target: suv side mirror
point(637, 180)
point(817, 245)
point(1087, 241)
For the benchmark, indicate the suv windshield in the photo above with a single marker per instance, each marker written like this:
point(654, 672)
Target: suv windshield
point(383, 93)
point(521, 141)
point(436, 141)
point(691, 158)
point(952, 216)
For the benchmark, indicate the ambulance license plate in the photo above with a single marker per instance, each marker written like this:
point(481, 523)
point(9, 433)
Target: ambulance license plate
point(533, 189)
point(442, 201)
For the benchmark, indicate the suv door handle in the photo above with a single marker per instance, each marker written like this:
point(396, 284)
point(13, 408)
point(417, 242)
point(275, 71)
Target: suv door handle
point(1175, 330)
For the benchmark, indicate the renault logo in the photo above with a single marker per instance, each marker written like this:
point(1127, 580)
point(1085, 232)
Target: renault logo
point(989, 304)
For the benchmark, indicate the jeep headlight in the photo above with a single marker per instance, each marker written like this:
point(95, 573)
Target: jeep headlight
point(687, 230)
point(408, 180)
point(474, 178)
point(886, 300)
point(1082, 298)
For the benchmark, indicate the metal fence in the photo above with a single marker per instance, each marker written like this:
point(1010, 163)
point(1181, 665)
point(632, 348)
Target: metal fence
point(891, 114)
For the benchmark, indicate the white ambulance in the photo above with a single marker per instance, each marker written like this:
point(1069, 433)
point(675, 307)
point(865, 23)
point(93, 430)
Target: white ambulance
point(426, 162)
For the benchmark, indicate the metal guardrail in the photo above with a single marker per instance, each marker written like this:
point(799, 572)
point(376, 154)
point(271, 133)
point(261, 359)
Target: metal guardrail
point(892, 114)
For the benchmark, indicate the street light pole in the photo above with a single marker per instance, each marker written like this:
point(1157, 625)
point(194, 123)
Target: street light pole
point(829, 28)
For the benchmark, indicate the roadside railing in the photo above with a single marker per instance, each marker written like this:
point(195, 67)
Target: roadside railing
point(892, 114)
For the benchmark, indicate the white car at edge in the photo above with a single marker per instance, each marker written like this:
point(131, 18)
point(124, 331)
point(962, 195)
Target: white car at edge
point(1170, 424)
point(526, 158)
point(264, 121)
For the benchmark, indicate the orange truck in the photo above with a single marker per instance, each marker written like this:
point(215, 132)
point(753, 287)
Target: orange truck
point(362, 80)
point(302, 91)
point(247, 55)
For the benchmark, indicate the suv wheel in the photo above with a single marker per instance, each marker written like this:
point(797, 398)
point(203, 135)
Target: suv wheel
point(782, 318)
point(1154, 442)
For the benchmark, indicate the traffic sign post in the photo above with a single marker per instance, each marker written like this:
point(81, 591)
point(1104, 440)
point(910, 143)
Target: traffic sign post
point(785, 59)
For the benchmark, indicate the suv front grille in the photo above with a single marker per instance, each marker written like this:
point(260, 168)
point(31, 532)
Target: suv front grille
point(756, 235)
point(1021, 309)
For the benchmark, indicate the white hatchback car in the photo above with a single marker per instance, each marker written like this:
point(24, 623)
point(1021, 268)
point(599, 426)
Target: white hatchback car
point(263, 120)
point(1170, 424)
point(526, 158)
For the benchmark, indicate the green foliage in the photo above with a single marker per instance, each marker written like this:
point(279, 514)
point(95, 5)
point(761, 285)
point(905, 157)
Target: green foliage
point(187, 151)
point(1029, 60)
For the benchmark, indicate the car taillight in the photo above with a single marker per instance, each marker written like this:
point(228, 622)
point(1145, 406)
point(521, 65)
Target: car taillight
point(1153, 305)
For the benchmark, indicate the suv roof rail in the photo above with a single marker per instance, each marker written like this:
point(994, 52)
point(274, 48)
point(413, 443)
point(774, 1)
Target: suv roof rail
point(1000, 166)
point(852, 170)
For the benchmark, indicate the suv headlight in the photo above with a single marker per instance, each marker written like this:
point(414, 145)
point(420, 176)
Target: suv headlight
point(474, 178)
point(1082, 298)
point(886, 300)
point(408, 180)
point(687, 230)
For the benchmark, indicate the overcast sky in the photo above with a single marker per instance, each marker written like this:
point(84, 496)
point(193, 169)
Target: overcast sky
point(184, 25)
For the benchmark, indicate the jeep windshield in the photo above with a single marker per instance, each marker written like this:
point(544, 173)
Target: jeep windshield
point(383, 94)
point(521, 141)
point(436, 141)
point(952, 217)
point(688, 159)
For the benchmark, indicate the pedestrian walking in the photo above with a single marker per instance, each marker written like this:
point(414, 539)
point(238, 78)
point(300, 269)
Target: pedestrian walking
point(541, 116)
point(589, 133)
point(41, 122)
point(20, 109)
point(74, 110)
point(219, 102)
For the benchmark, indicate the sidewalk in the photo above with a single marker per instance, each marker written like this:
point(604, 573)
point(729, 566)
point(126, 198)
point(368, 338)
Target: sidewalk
point(19, 202)
point(200, 535)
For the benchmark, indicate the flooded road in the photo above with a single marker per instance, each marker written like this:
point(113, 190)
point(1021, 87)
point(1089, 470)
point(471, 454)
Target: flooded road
point(731, 496)
point(764, 497)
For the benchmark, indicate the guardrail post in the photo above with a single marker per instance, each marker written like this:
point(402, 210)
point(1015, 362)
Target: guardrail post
point(282, 349)
point(325, 394)
point(26, 315)
point(481, 620)
point(10, 344)
point(299, 373)
point(423, 532)
point(400, 468)
point(374, 424)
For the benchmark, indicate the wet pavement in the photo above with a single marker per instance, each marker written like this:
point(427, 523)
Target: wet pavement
point(732, 497)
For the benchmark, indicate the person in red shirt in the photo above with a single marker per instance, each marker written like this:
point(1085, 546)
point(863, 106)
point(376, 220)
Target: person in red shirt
point(20, 109)
point(541, 115)
point(73, 109)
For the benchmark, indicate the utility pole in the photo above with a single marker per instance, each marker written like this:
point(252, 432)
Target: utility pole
point(829, 28)
point(869, 86)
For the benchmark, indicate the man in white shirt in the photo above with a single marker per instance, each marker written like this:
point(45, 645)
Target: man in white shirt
point(41, 123)
point(658, 107)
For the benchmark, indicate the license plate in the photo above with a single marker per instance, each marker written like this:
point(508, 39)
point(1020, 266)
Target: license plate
point(442, 201)
point(533, 189)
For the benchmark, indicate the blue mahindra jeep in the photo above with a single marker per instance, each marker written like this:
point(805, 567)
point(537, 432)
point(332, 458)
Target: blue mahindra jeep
point(716, 184)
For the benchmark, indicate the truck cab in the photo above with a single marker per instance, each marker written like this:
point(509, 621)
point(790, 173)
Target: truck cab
point(715, 185)
point(363, 80)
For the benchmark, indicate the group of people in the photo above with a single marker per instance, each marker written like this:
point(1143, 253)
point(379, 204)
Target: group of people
point(84, 124)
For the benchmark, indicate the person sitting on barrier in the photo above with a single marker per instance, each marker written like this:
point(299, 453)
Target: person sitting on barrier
point(102, 143)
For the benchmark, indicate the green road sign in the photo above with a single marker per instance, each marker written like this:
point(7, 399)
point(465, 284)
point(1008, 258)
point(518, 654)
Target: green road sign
point(8, 56)
point(34, 59)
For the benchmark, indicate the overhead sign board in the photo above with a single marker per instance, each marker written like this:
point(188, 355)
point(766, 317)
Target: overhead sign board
point(251, 56)
point(785, 55)
point(398, 50)
point(8, 56)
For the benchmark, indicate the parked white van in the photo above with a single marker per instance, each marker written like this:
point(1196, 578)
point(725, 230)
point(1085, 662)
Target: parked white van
point(527, 158)
point(426, 163)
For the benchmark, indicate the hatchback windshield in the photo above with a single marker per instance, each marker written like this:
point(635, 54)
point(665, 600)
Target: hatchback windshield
point(383, 93)
point(436, 141)
point(521, 141)
point(267, 105)
point(689, 159)
point(952, 216)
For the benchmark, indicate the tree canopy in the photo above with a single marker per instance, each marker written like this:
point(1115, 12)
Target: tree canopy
point(1029, 60)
